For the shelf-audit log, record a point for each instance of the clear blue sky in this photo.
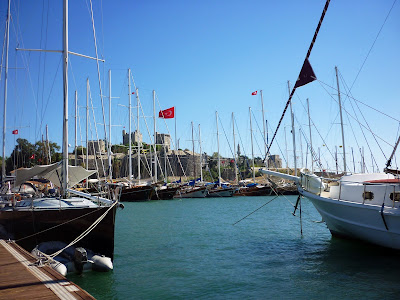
(208, 56)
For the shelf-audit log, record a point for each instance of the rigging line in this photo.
(245, 158)
(313, 153)
(51, 90)
(363, 124)
(294, 88)
(2, 52)
(26, 64)
(255, 210)
(39, 72)
(44, 61)
(284, 157)
(97, 135)
(98, 72)
(356, 100)
(259, 130)
(373, 44)
(226, 137)
(365, 138)
(366, 123)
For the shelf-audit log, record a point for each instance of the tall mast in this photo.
(65, 92)
(263, 121)
(155, 136)
(201, 157)
(109, 121)
(252, 150)
(341, 121)
(234, 151)
(139, 141)
(301, 149)
(194, 159)
(219, 157)
(3, 166)
(130, 127)
(76, 128)
(48, 145)
(309, 126)
(87, 125)
(293, 135)
(286, 151)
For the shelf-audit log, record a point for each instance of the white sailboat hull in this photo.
(359, 221)
(348, 212)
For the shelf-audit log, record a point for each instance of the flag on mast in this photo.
(167, 113)
(307, 74)
(15, 131)
(254, 93)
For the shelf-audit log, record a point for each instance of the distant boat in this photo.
(192, 192)
(136, 193)
(253, 190)
(164, 192)
(221, 192)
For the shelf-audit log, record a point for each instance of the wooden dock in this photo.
(20, 278)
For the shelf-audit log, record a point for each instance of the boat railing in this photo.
(367, 191)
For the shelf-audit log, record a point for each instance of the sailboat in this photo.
(363, 206)
(134, 192)
(253, 189)
(80, 220)
(220, 190)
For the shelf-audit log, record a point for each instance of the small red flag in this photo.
(32, 156)
(15, 131)
(254, 93)
(133, 93)
(167, 113)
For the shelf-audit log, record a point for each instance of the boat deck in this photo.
(20, 279)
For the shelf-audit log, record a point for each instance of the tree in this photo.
(26, 155)
(119, 149)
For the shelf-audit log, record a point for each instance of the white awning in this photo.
(53, 173)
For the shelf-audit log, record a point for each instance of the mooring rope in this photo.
(86, 232)
(255, 210)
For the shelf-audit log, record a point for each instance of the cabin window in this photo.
(367, 195)
(395, 196)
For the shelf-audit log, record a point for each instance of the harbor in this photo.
(193, 169)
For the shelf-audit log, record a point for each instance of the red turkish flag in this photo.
(32, 156)
(15, 131)
(167, 113)
(254, 93)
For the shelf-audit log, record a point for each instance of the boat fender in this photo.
(59, 267)
(101, 263)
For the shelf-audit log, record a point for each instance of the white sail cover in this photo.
(53, 173)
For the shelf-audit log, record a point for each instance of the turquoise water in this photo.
(190, 249)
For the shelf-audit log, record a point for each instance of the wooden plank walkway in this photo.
(20, 279)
